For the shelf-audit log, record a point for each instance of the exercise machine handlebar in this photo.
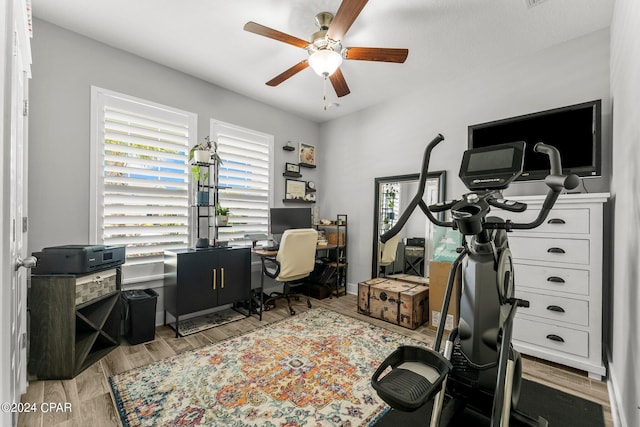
(417, 201)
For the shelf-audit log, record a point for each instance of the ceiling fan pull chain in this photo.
(324, 91)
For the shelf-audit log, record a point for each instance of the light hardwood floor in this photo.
(92, 403)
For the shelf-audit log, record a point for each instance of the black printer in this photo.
(78, 259)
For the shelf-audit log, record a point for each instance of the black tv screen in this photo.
(282, 219)
(574, 130)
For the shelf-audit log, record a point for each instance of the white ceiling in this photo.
(445, 38)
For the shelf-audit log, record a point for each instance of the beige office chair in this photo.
(295, 260)
(387, 253)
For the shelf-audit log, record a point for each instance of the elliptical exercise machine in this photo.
(479, 370)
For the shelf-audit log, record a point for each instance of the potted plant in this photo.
(391, 196)
(202, 197)
(222, 215)
(202, 152)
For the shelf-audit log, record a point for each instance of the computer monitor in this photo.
(282, 219)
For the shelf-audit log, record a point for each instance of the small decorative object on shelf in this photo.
(289, 146)
(294, 189)
(292, 167)
(307, 155)
(292, 170)
(311, 187)
(201, 176)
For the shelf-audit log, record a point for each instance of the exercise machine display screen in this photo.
(492, 167)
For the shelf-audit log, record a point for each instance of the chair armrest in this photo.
(273, 263)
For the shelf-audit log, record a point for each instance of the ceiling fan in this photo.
(325, 48)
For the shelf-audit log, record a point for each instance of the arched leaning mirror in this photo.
(414, 249)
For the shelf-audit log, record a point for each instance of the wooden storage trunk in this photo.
(416, 280)
(402, 303)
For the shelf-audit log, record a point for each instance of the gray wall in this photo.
(65, 66)
(390, 139)
(624, 352)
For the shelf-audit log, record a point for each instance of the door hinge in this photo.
(25, 224)
(25, 107)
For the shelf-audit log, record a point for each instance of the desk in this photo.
(332, 272)
(265, 253)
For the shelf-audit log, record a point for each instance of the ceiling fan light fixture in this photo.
(325, 62)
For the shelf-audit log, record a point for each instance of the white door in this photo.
(13, 330)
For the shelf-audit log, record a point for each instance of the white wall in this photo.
(390, 139)
(65, 66)
(624, 354)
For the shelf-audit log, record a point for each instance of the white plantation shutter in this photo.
(245, 178)
(141, 155)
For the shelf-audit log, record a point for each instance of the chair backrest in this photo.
(297, 254)
(388, 251)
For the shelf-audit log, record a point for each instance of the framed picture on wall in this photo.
(294, 189)
(293, 168)
(307, 154)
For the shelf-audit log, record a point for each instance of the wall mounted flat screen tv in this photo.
(574, 130)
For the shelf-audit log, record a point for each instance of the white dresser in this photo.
(559, 269)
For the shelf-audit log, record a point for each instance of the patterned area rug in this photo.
(202, 323)
(313, 369)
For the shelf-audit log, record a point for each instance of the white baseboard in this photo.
(613, 386)
(352, 288)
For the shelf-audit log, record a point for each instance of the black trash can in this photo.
(140, 315)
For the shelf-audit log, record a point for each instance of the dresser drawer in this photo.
(574, 221)
(549, 336)
(557, 279)
(575, 251)
(555, 308)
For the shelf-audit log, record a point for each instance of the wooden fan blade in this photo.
(376, 54)
(339, 83)
(345, 16)
(261, 30)
(289, 73)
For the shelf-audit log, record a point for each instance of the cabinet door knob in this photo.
(556, 251)
(214, 279)
(556, 221)
(555, 338)
(555, 279)
(555, 308)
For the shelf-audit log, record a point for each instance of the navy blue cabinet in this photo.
(200, 279)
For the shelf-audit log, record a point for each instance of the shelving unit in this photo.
(66, 337)
(298, 174)
(204, 210)
(336, 254)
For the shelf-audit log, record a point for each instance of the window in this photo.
(140, 178)
(244, 178)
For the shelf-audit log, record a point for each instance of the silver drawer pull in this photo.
(555, 338)
(556, 251)
(555, 308)
(555, 279)
(556, 221)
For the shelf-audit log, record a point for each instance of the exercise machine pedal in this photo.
(416, 375)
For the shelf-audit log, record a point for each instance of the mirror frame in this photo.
(378, 181)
